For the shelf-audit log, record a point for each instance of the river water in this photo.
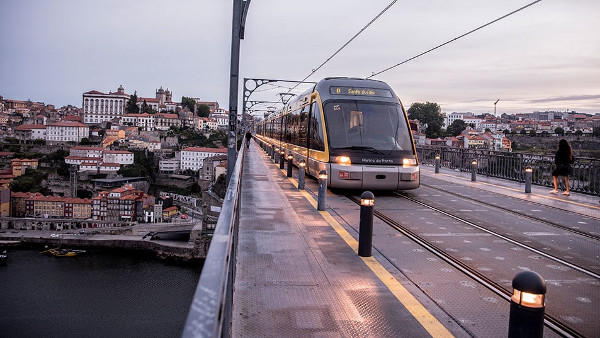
(96, 294)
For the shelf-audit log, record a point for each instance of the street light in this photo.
(495, 107)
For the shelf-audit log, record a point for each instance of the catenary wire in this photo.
(345, 44)
(456, 38)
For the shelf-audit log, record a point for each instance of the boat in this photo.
(59, 252)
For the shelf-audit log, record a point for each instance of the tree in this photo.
(559, 131)
(203, 110)
(578, 132)
(146, 108)
(506, 131)
(532, 133)
(132, 107)
(188, 102)
(456, 127)
(428, 113)
(523, 132)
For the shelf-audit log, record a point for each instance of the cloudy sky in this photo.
(545, 57)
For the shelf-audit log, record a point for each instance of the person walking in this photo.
(563, 160)
(248, 137)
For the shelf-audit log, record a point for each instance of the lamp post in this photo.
(301, 172)
(474, 170)
(495, 107)
(528, 173)
(290, 157)
(322, 190)
(365, 231)
(527, 305)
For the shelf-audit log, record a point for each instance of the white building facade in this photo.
(192, 157)
(99, 107)
(62, 131)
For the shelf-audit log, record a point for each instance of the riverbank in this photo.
(162, 249)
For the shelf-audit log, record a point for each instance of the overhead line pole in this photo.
(240, 9)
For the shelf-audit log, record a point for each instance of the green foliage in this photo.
(84, 193)
(456, 127)
(203, 110)
(29, 182)
(131, 107)
(146, 108)
(143, 165)
(428, 113)
(39, 142)
(559, 131)
(532, 133)
(188, 102)
(217, 137)
(578, 132)
(523, 132)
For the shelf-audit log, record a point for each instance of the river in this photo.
(96, 294)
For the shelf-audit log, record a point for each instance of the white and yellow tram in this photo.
(355, 129)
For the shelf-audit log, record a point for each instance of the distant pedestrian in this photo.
(248, 137)
(563, 160)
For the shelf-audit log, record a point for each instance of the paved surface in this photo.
(299, 275)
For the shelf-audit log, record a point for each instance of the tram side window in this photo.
(316, 128)
(289, 128)
(303, 126)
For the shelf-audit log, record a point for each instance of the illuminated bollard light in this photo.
(527, 305)
(281, 159)
(528, 172)
(365, 231)
(322, 190)
(474, 170)
(301, 173)
(437, 164)
(290, 157)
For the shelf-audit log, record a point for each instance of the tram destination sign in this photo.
(358, 91)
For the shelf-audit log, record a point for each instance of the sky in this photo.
(545, 57)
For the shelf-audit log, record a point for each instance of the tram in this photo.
(355, 129)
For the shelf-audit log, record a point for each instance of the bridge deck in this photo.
(298, 272)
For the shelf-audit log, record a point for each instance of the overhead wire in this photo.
(345, 44)
(456, 38)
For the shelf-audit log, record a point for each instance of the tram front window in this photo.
(377, 125)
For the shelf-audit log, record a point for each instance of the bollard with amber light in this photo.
(474, 170)
(301, 172)
(290, 157)
(437, 164)
(527, 305)
(322, 190)
(281, 159)
(528, 172)
(365, 231)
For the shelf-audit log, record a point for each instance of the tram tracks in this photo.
(550, 321)
(524, 215)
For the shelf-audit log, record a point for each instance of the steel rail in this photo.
(549, 320)
(560, 226)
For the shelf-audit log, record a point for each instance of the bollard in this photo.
(274, 151)
(289, 165)
(301, 173)
(365, 231)
(322, 190)
(282, 159)
(527, 305)
(474, 170)
(528, 172)
(437, 164)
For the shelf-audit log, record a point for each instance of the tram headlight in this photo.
(342, 160)
(409, 162)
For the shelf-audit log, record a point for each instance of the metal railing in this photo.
(210, 312)
(511, 166)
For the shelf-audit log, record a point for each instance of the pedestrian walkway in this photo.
(298, 273)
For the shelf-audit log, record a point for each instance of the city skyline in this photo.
(541, 58)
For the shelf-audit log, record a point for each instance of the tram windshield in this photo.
(369, 126)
